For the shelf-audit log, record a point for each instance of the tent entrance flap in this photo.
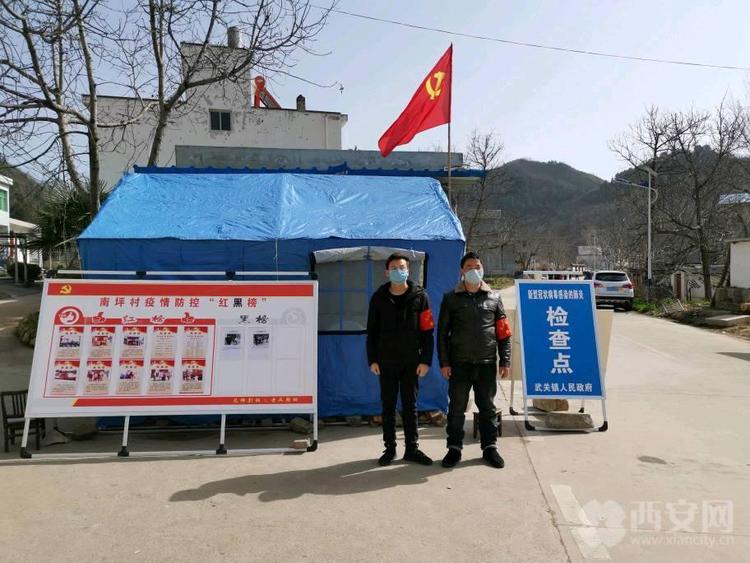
(347, 278)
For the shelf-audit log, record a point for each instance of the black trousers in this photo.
(403, 379)
(482, 377)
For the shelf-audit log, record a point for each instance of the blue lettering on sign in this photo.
(558, 339)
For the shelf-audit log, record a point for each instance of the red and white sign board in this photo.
(174, 347)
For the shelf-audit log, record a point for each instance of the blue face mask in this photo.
(398, 275)
(474, 276)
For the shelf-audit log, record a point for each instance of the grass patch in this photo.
(646, 307)
(499, 282)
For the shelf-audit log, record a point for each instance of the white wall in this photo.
(251, 127)
(5, 184)
(739, 264)
(4, 215)
(255, 127)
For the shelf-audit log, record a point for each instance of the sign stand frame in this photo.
(527, 425)
(24, 452)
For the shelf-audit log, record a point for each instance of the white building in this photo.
(219, 115)
(5, 184)
(592, 257)
(739, 263)
(13, 247)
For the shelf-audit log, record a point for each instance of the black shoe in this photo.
(491, 456)
(388, 454)
(417, 456)
(452, 457)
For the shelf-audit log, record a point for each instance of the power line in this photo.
(534, 45)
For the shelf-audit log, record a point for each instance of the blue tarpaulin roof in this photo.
(261, 207)
(214, 221)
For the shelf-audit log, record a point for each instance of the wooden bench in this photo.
(499, 424)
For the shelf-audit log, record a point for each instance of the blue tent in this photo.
(238, 221)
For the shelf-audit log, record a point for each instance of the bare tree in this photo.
(484, 223)
(56, 56)
(694, 154)
(701, 164)
(527, 243)
(182, 35)
(47, 63)
(646, 141)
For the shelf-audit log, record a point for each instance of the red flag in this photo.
(429, 107)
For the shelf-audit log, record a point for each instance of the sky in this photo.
(543, 105)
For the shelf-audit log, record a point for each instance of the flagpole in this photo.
(450, 198)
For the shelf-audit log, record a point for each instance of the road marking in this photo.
(585, 533)
(650, 349)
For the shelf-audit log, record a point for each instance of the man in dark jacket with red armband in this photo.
(472, 330)
(399, 351)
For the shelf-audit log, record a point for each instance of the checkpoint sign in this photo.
(559, 348)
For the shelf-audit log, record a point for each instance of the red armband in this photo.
(426, 322)
(502, 329)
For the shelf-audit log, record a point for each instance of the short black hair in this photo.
(395, 256)
(470, 256)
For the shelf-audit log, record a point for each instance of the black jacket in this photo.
(467, 328)
(400, 335)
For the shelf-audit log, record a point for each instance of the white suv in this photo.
(613, 288)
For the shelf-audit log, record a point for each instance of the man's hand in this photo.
(446, 371)
(422, 370)
(375, 368)
(503, 372)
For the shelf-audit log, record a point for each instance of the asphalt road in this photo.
(670, 480)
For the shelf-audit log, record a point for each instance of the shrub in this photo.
(643, 306)
(26, 329)
(34, 271)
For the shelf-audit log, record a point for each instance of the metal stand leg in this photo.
(221, 450)
(526, 422)
(512, 411)
(25, 454)
(314, 445)
(605, 426)
(124, 449)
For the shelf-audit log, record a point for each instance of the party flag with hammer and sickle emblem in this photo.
(429, 107)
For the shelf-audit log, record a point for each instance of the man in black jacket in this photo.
(399, 351)
(472, 329)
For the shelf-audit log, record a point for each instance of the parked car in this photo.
(613, 287)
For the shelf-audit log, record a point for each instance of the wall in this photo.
(739, 264)
(274, 158)
(688, 291)
(254, 127)
(5, 184)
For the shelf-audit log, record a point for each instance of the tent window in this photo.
(347, 280)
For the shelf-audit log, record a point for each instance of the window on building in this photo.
(347, 278)
(221, 120)
(3, 200)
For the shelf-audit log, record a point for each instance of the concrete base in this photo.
(727, 320)
(549, 405)
(568, 421)
(300, 425)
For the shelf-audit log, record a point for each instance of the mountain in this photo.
(546, 192)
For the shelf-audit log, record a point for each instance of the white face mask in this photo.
(474, 276)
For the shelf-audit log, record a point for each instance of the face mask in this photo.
(398, 276)
(474, 276)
